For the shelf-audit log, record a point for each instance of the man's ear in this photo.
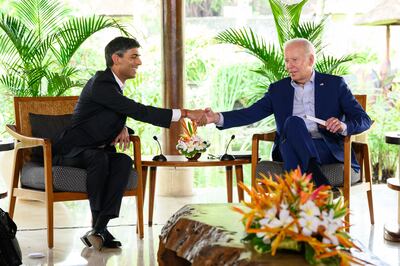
(312, 59)
(115, 59)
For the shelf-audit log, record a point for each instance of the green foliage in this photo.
(385, 111)
(288, 26)
(37, 44)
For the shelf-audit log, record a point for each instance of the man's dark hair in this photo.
(119, 46)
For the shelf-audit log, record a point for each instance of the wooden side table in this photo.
(181, 161)
(392, 230)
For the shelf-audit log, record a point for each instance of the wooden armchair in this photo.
(49, 183)
(340, 175)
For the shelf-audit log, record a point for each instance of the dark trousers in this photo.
(297, 146)
(107, 178)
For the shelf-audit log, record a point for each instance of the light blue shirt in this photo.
(304, 104)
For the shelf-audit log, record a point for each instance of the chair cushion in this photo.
(334, 172)
(65, 178)
(47, 126)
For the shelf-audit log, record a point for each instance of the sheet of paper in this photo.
(316, 120)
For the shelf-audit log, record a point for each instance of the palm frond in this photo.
(286, 18)
(15, 84)
(24, 41)
(77, 30)
(253, 44)
(59, 83)
(42, 16)
(331, 65)
(311, 31)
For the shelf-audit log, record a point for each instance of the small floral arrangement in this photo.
(189, 143)
(289, 213)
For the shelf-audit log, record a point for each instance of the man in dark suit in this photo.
(300, 141)
(98, 123)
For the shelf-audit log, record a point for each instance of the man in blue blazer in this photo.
(300, 141)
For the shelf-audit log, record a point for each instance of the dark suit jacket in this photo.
(101, 113)
(332, 99)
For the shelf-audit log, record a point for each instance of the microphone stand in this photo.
(226, 156)
(160, 157)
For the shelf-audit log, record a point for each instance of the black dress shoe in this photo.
(96, 239)
(108, 235)
(109, 240)
(85, 240)
(111, 244)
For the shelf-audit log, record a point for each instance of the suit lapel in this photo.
(110, 75)
(290, 98)
(319, 86)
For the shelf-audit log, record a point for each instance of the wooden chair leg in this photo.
(14, 182)
(367, 166)
(50, 223)
(139, 209)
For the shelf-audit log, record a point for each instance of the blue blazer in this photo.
(333, 98)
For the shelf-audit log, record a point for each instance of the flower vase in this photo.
(194, 158)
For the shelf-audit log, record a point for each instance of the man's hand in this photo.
(334, 125)
(211, 116)
(122, 139)
(197, 116)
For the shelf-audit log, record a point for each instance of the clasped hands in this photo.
(203, 117)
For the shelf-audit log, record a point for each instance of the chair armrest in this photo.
(268, 136)
(25, 142)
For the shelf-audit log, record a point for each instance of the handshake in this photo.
(201, 117)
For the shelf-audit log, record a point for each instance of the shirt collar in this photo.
(312, 80)
(120, 83)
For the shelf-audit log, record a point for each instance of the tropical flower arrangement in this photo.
(289, 213)
(189, 143)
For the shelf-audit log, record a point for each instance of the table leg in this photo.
(239, 178)
(153, 172)
(229, 182)
(144, 180)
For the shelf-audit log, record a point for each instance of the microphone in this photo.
(160, 157)
(226, 156)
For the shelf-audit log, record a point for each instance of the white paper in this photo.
(36, 255)
(316, 120)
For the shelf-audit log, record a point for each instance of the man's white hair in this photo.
(308, 46)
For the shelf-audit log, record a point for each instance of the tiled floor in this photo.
(72, 220)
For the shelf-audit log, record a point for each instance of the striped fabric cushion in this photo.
(334, 172)
(66, 179)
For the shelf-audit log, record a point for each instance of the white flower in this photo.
(309, 225)
(309, 218)
(331, 226)
(286, 218)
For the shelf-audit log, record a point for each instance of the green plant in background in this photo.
(385, 111)
(37, 44)
(288, 26)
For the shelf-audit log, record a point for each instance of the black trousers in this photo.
(107, 177)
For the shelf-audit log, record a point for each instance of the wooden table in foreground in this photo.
(210, 234)
(181, 161)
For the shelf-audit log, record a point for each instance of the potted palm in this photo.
(288, 26)
(37, 42)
